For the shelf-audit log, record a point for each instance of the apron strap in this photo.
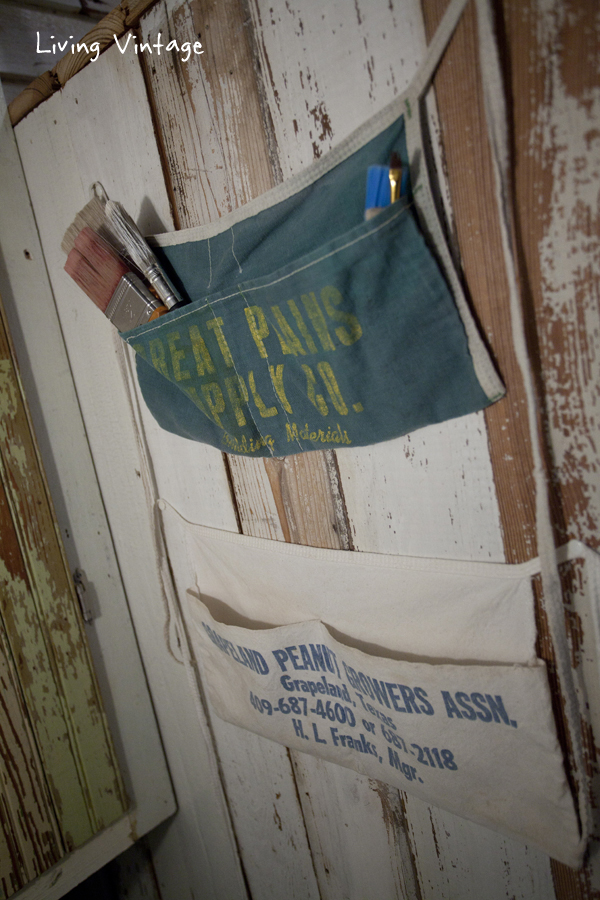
(437, 48)
(496, 120)
(495, 110)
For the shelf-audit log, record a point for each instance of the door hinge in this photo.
(84, 595)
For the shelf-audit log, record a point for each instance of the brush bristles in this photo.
(92, 215)
(96, 249)
(95, 267)
(128, 234)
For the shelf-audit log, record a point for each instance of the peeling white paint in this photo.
(8, 395)
(567, 138)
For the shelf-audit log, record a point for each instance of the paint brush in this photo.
(110, 220)
(140, 253)
(108, 280)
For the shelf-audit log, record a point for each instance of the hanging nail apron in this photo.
(310, 328)
(418, 672)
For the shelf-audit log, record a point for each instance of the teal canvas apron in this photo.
(309, 328)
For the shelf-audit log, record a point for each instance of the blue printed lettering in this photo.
(281, 657)
(462, 700)
(316, 734)
(252, 659)
(478, 700)
(409, 699)
(427, 708)
(395, 698)
(297, 723)
(361, 745)
(451, 707)
(409, 772)
(497, 707)
(308, 663)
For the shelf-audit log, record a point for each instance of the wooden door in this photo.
(278, 85)
(60, 777)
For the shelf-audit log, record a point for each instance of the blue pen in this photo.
(378, 190)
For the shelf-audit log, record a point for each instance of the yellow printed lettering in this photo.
(176, 356)
(258, 327)
(312, 347)
(238, 394)
(204, 363)
(331, 298)
(291, 431)
(316, 399)
(265, 413)
(157, 355)
(216, 325)
(277, 379)
(253, 446)
(193, 395)
(305, 434)
(214, 400)
(318, 320)
(288, 340)
(326, 373)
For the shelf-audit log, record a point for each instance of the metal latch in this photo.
(84, 596)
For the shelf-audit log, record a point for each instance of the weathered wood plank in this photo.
(272, 835)
(37, 669)
(428, 494)
(496, 867)
(458, 89)
(195, 111)
(557, 167)
(77, 866)
(25, 796)
(54, 623)
(555, 87)
(380, 861)
(8, 881)
(534, 86)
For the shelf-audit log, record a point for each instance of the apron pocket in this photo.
(357, 342)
